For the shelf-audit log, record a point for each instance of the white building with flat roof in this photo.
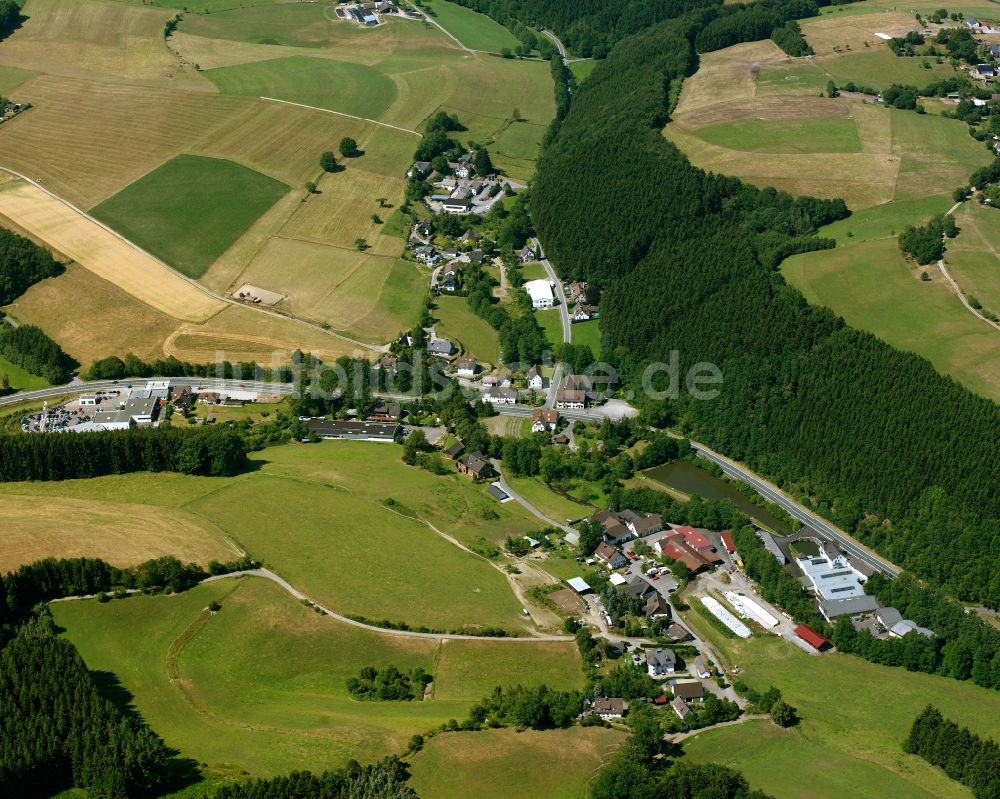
(540, 292)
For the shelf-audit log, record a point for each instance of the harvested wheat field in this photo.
(122, 534)
(105, 254)
(91, 319)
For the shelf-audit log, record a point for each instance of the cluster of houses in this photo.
(542, 292)
(684, 544)
(461, 191)
(9, 110)
(367, 14)
(661, 664)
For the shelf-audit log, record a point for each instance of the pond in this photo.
(690, 479)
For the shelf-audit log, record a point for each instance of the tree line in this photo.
(961, 754)
(115, 368)
(58, 731)
(388, 684)
(383, 780)
(215, 451)
(873, 438)
(27, 346)
(22, 262)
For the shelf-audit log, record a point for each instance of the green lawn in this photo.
(189, 211)
(261, 685)
(498, 764)
(342, 86)
(533, 272)
(879, 68)
(791, 77)
(888, 219)
(457, 322)
(551, 322)
(588, 333)
(20, 380)
(809, 135)
(581, 69)
(873, 288)
(474, 30)
(12, 77)
(553, 505)
(854, 717)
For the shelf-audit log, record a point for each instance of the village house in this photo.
(500, 396)
(615, 530)
(455, 450)
(571, 399)
(388, 362)
(543, 419)
(540, 292)
(181, 398)
(584, 313)
(419, 169)
(386, 412)
(456, 205)
(441, 346)
(535, 380)
(462, 169)
(525, 255)
(609, 709)
(501, 380)
(641, 524)
(469, 236)
(687, 690)
(698, 669)
(660, 662)
(984, 71)
(450, 275)
(680, 707)
(610, 555)
(577, 291)
(656, 606)
(466, 365)
(427, 254)
(474, 465)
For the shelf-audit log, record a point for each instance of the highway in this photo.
(797, 511)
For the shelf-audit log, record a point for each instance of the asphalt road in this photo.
(797, 511)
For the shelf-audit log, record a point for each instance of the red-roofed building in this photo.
(694, 539)
(811, 637)
(727, 542)
(677, 548)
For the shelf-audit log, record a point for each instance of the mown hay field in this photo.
(191, 209)
(973, 257)
(262, 684)
(106, 255)
(369, 297)
(121, 533)
(495, 764)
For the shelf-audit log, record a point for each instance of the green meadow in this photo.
(457, 322)
(581, 69)
(19, 379)
(879, 68)
(261, 685)
(191, 209)
(855, 716)
(476, 31)
(354, 89)
(497, 764)
(809, 135)
(874, 289)
(588, 333)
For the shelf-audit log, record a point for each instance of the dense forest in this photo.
(216, 451)
(873, 437)
(963, 755)
(384, 780)
(22, 262)
(27, 346)
(115, 368)
(57, 731)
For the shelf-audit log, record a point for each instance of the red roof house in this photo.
(811, 637)
(694, 539)
(727, 541)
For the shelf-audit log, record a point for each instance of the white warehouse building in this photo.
(540, 292)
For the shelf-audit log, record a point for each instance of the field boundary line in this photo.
(341, 114)
(201, 287)
(954, 285)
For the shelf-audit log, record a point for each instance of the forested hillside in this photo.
(22, 262)
(875, 437)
